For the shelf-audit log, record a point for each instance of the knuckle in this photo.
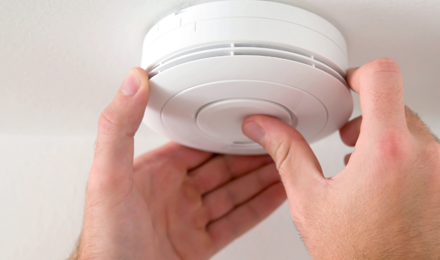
(108, 122)
(281, 152)
(394, 147)
(254, 211)
(100, 183)
(383, 65)
(191, 194)
(200, 218)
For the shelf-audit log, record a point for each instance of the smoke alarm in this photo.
(212, 65)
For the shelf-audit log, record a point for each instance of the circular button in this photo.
(222, 120)
(180, 114)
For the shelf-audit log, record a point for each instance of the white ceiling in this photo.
(61, 61)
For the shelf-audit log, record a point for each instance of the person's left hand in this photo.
(173, 203)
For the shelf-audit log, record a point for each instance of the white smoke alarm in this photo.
(212, 65)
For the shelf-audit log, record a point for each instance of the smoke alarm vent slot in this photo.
(240, 49)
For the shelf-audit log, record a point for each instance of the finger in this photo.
(243, 218)
(224, 199)
(380, 87)
(295, 160)
(182, 157)
(117, 125)
(223, 168)
(347, 158)
(350, 131)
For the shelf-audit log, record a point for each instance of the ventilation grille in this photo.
(241, 49)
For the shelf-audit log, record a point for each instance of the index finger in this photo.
(380, 87)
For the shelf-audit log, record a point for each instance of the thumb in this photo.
(295, 160)
(117, 126)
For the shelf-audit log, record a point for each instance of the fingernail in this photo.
(131, 83)
(254, 132)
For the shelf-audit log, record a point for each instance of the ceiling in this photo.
(62, 61)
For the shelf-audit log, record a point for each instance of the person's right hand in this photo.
(385, 204)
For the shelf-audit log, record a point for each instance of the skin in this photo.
(385, 204)
(179, 203)
(173, 203)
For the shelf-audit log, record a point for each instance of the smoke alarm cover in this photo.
(213, 65)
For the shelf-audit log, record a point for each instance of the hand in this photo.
(173, 203)
(385, 204)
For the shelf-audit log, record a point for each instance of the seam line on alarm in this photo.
(252, 17)
(290, 112)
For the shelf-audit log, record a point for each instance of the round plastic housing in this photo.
(212, 65)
